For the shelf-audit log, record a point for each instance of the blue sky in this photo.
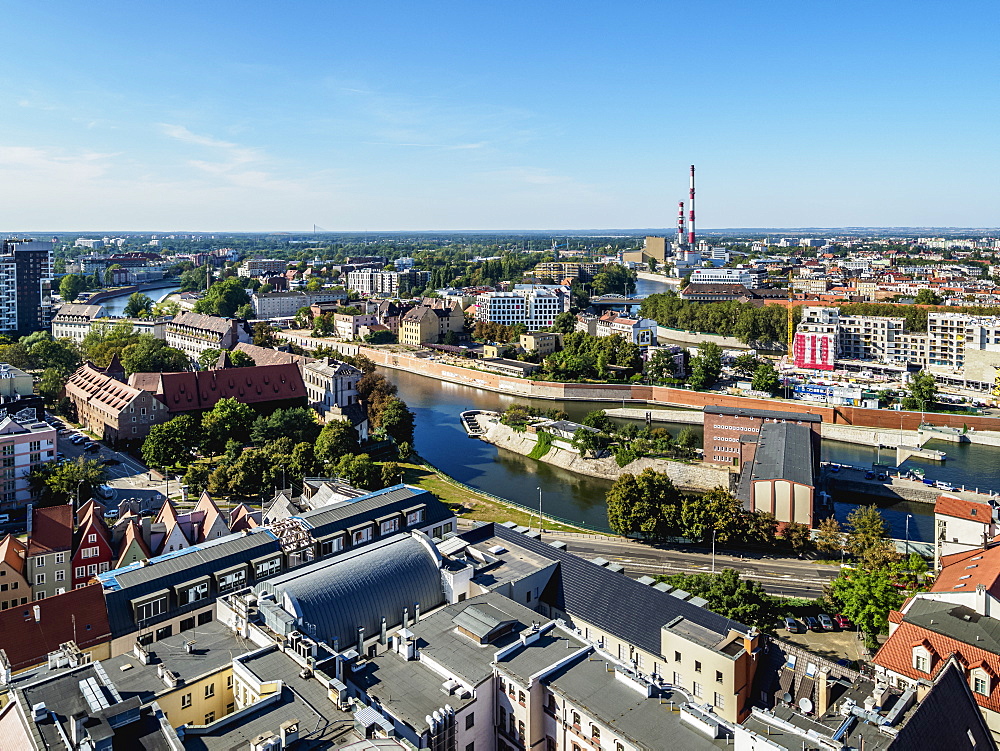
(258, 116)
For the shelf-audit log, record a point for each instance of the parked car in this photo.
(111, 513)
(811, 623)
(792, 626)
(834, 467)
(942, 485)
(4, 518)
(869, 475)
(882, 476)
(78, 439)
(825, 621)
(91, 446)
(842, 621)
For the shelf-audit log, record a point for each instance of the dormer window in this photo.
(922, 658)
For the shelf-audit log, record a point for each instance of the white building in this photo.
(286, 304)
(73, 321)
(262, 267)
(193, 333)
(961, 525)
(535, 308)
(388, 283)
(25, 444)
(722, 276)
(639, 331)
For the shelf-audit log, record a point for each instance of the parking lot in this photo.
(835, 645)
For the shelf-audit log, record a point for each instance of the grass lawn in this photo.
(472, 505)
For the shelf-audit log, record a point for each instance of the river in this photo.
(115, 306)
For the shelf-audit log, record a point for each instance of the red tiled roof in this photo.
(12, 552)
(973, 511)
(897, 655)
(51, 529)
(982, 566)
(28, 641)
(182, 392)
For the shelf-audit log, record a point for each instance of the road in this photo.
(779, 576)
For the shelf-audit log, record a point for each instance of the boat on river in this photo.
(474, 420)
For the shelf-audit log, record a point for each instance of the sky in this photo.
(365, 116)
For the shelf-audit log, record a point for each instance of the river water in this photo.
(441, 439)
(115, 306)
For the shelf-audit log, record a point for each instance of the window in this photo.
(470, 720)
(720, 701)
(209, 690)
(576, 720)
(91, 538)
(697, 689)
(595, 734)
(61, 558)
(361, 536)
(520, 729)
(185, 701)
(193, 593)
(186, 624)
(414, 517)
(921, 663)
(210, 718)
(60, 575)
(520, 698)
(204, 618)
(267, 568)
(40, 561)
(697, 666)
(229, 681)
(388, 527)
(980, 684)
(329, 547)
(39, 579)
(151, 609)
(232, 580)
(718, 676)
(164, 632)
(677, 656)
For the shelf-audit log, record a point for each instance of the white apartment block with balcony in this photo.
(723, 276)
(536, 309)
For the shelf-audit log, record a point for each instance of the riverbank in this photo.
(688, 476)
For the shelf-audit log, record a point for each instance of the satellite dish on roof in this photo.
(786, 697)
(805, 704)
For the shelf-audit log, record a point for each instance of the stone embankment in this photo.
(693, 476)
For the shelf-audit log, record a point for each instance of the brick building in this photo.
(115, 411)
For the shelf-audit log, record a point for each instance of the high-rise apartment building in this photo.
(25, 286)
(388, 283)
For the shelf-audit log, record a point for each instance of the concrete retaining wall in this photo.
(687, 476)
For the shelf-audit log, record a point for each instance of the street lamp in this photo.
(539, 510)
(908, 540)
(713, 551)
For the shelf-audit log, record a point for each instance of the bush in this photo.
(542, 446)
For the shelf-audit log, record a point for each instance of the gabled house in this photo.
(50, 548)
(132, 547)
(167, 535)
(211, 524)
(14, 587)
(93, 552)
(243, 518)
(961, 525)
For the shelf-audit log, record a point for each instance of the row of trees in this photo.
(745, 321)
(589, 357)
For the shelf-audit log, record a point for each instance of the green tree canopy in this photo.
(296, 423)
(67, 481)
(152, 355)
(223, 298)
(227, 420)
(359, 471)
(923, 392)
(765, 378)
(927, 296)
(172, 443)
(70, 287)
(337, 438)
(138, 305)
(866, 595)
(730, 596)
(396, 420)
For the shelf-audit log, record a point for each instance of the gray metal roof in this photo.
(121, 586)
(784, 452)
(338, 595)
(767, 414)
(956, 622)
(327, 520)
(610, 601)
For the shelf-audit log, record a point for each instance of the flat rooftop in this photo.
(766, 414)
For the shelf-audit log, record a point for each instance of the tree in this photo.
(564, 323)
(172, 443)
(396, 420)
(923, 391)
(664, 365)
(46, 352)
(105, 340)
(223, 298)
(138, 305)
(67, 481)
(599, 419)
(109, 273)
(303, 462)
(730, 596)
(706, 366)
(296, 423)
(264, 335)
(765, 378)
(648, 504)
(391, 474)
(227, 420)
(866, 596)
(688, 439)
(746, 364)
(404, 451)
(50, 386)
(337, 438)
(70, 287)
(797, 536)
(359, 471)
(151, 355)
(867, 538)
(927, 296)
(829, 537)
